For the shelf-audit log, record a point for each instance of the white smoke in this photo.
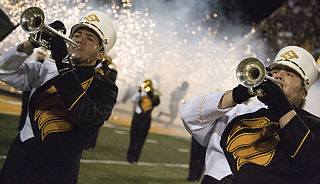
(170, 40)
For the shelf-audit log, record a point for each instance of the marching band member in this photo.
(275, 141)
(68, 104)
(145, 100)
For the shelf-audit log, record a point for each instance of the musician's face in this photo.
(89, 48)
(292, 84)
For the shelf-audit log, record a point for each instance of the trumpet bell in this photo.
(32, 20)
(250, 72)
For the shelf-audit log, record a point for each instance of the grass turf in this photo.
(112, 145)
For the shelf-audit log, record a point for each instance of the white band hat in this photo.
(101, 24)
(301, 61)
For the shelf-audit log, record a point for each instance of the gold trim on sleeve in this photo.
(201, 108)
(300, 144)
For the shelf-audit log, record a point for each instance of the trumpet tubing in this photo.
(32, 22)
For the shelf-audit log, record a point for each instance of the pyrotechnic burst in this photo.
(173, 51)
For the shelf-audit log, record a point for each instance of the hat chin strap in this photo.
(304, 77)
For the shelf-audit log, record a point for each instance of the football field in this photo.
(164, 159)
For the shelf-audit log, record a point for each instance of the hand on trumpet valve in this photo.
(46, 36)
(274, 97)
(33, 39)
(241, 94)
(59, 26)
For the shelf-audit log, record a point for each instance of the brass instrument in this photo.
(32, 22)
(251, 72)
(142, 87)
(146, 86)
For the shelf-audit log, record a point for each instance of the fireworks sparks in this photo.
(146, 48)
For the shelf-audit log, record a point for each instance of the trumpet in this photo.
(32, 22)
(251, 72)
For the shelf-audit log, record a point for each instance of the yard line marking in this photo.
(120, 132)
(124, 163)
(183, 150)
(13, 102)
(104, 162)
(152, 141)
(139, 163)
(3, 156)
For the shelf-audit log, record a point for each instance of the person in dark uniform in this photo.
(197, 161)
(275, 141)
(68, 104)
(146, 100)
(104, 69)
(176, 98)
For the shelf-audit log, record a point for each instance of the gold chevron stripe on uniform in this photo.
(51, 114)
(85, 86)
(253, 141)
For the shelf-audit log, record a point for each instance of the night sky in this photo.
(252, 10)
